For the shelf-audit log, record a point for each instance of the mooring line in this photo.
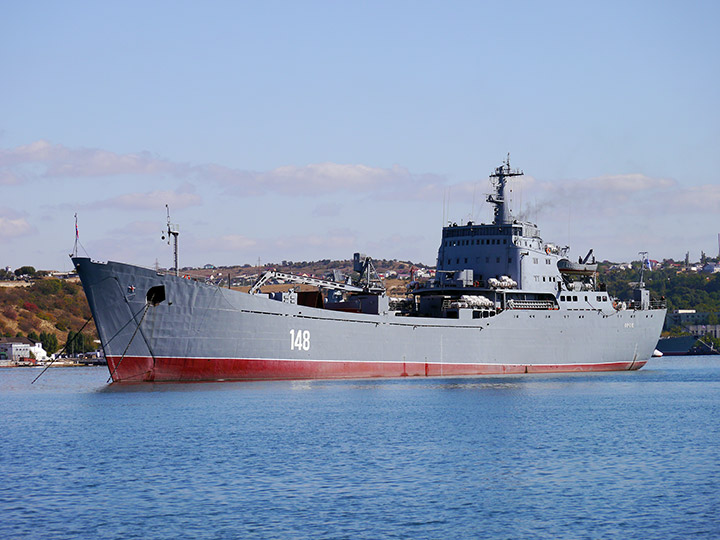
(147, 306)
(132, 318)
(69, 341)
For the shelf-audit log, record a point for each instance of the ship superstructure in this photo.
(508, 262)
(502, 301)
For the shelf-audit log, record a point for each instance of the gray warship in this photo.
(503, 301)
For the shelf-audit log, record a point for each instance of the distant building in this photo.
(425, 273)
(711, 268)
(20, 348)
(700, 330)
(64, 275)
(688, 318)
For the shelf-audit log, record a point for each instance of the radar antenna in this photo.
(499, 180)
(173, 230)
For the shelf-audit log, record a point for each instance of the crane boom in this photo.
(304, 280)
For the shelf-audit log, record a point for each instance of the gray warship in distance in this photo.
(503, 302)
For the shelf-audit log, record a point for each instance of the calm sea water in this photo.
(616, 455)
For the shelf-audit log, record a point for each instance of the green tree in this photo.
(49, 286)
(77, 343)
(49, 342)
(32, 335)
(72, 343)
(25, 270)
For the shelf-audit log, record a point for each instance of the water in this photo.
(608, 455)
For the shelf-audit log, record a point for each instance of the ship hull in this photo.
(197, 332)
(147, 369)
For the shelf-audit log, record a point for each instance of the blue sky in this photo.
(310, 130)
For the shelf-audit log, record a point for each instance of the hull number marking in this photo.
(629, 325)
(299, 340)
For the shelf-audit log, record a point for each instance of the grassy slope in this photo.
(48, 305)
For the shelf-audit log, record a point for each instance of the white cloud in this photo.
(344, 239)
(138, 228)
(41, 159)
(13, 224)
(610, 195)
(152, 200)
(704, 198)
(8, 177)
(46, 160)
(327, 210)
(322, 178)
(12, 228)
(228, 242)
(626, 183)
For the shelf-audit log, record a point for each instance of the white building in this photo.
(18, 348)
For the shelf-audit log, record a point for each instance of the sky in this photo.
(311, 130)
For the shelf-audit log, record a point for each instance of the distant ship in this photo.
(685, 345)
(503, 301)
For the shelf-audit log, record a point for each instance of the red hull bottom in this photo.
(145, 369)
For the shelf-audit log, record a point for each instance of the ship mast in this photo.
(499, 181)
(173, 230)
(643, 260)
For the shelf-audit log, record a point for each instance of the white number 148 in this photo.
(300, 340)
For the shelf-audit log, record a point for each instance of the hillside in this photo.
(682, 290)
(246, 274)
(46, 306)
